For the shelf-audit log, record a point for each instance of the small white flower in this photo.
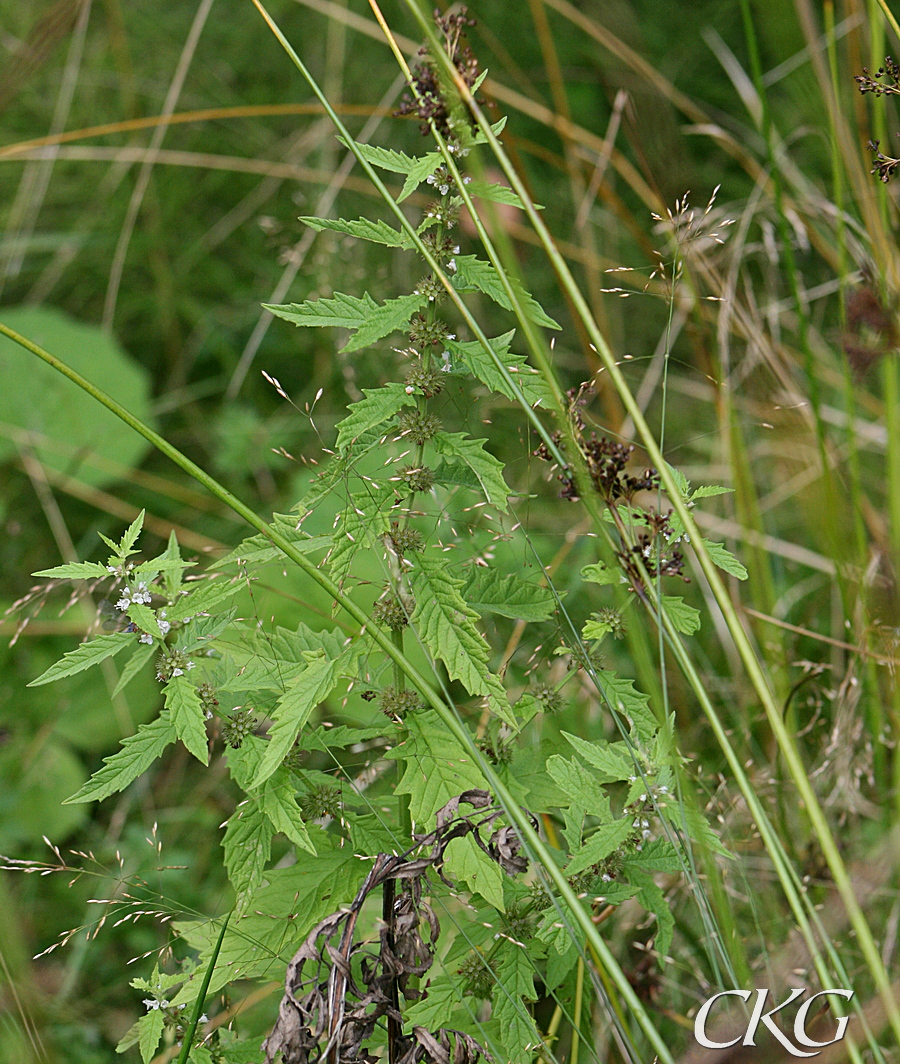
(451, 265)
(456, 249)
(467, 180)
(146, 637)
(430, 180)
(151, 1004)
(606, 878)
(124, 602)
(113, 569)
(444, 189)
(178, 672)
(164, 626)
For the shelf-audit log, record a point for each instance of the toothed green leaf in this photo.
(314, 684)
(247, 846)
(514, 986)
(363, 228)
(684, 618)
(446, 623)
(474, 274)
(467, 862)
(605, 839)
(141, 657)
(490, 591)
(186, 712)
(480, 364)
(725, 560)
(76, 571)
(436, 767)
(378, 406)
(137, 754)
(279, 803)
(612, 759)
(85, 656)
(459, 447)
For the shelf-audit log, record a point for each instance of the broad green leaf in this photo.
(66, 426)
(684, 618)
(623, 697)
(201, 598)
(416, 168)
(259, 548)
(654, 900)
(294, 709)
(698, 827)
(595, 628)
(141, 657)
(145, 1034)
(378, 406)
(446, 624)
(83, 657)
(612, 759)
(340, 311)
(279, 803)
(425, 166)
(145, 618)
(606, 839)
(151, 1029)
(474, 274)
(724, 559)
(385, 319)
(496, 194)
(248, 847)
(174, 577)
(514, 986)
(465, 860)
(435, 1010)
(294, 646)
(684, 485)
(162, 564)
(706, 491)
(490, 591)
(186, 714)
(581, 789)
(130, 536)
(364, 228)
(436, 767)
(361, 523)
(76, 571)
(497, 128)
(199, 632)
(559, 964)
(352, 312)
(658, 855)
(598, 573)
(456, 474)
(480, 364)
(137, 754)
(459, 447)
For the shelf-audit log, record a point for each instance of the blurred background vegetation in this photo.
(140, 252)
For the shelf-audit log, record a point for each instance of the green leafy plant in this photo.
(412, 494)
